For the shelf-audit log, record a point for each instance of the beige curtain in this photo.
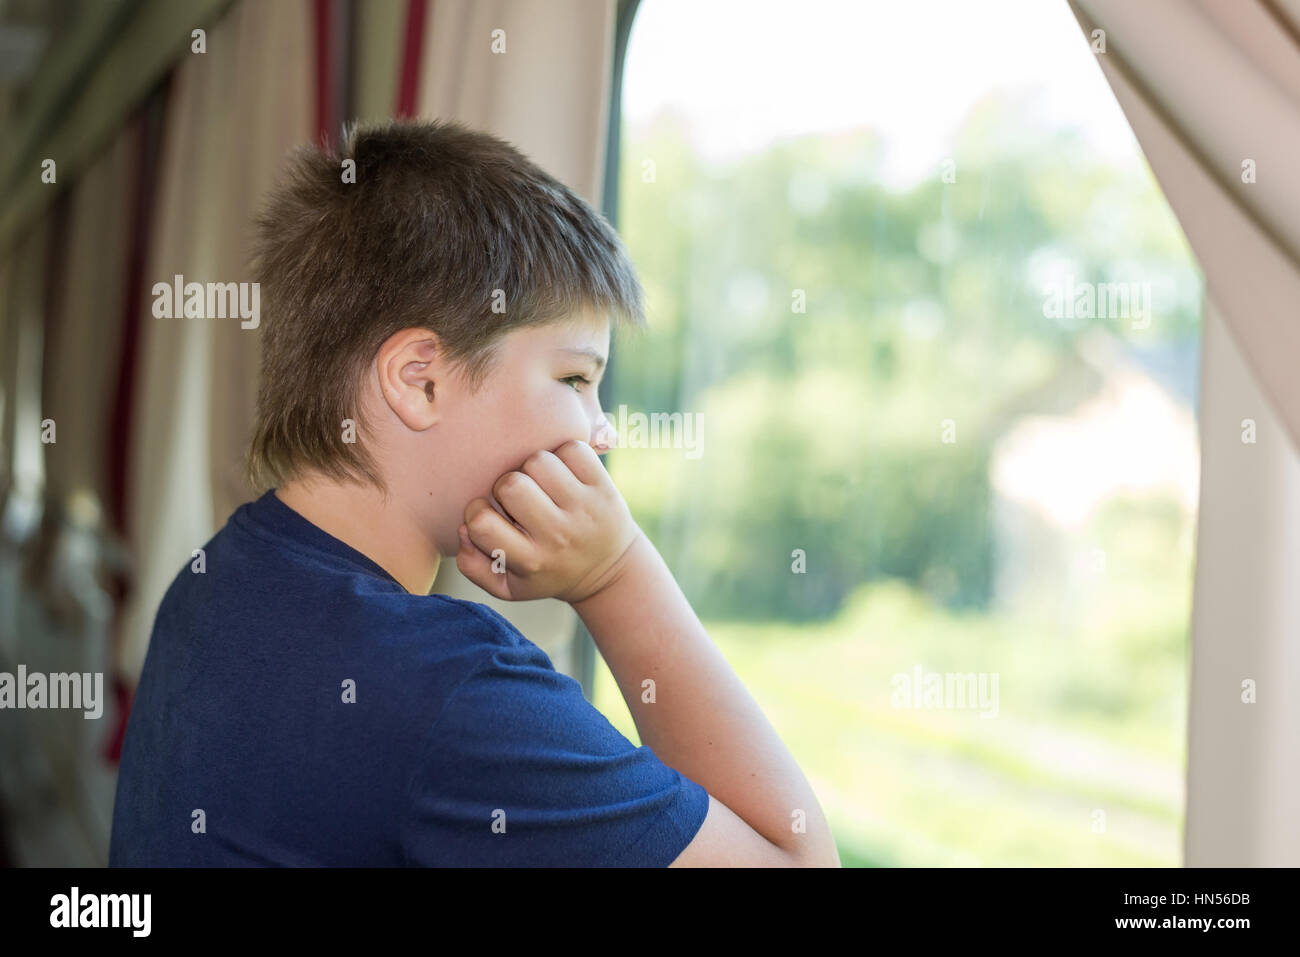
(1208, 86)
(548, 94)
(85, 335)
(379, 33)
(1212, 91)
(233, 113)
(1243, 784)
(270, 103)
(63, 614)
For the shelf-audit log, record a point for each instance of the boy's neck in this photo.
(359, 516)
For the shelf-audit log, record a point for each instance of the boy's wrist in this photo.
(609, 579)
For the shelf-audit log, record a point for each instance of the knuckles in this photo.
(537, 460)
(479, 521)
(571, 447)
(508, 482)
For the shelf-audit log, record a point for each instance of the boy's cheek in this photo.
(501, 443)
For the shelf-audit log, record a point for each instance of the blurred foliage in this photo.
(822, 428)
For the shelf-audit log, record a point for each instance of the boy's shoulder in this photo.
(267, 580)
(482, 624)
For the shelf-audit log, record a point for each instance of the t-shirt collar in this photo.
(279, 518)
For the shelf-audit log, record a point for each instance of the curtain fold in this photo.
(548, 93)
(268, 112)
(1211, 89)
(379, 31)
(232, 114)
(1243, 781)
(87, 327)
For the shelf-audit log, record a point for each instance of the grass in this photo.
(1082, 765)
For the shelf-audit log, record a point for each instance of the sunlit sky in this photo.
(748, 73)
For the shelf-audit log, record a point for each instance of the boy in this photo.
(436, 327)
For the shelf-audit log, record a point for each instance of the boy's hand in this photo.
(570, 529)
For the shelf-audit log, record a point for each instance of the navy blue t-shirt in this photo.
(297, 706)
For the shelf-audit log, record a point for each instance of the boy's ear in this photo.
(409, 376)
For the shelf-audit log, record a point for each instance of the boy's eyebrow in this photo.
(591, 354)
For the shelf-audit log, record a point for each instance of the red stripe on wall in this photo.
(326, 108)
(408, 80)
(119, 444)
(146, 130)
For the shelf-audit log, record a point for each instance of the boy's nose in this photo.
(603, 435)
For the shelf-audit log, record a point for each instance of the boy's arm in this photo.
(568, 534)
(703, 722)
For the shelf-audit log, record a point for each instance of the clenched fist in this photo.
(567, 530)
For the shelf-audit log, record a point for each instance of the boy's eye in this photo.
(573, 379)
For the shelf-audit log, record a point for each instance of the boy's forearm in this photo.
(702, 721)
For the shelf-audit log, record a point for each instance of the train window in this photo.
(915, 423)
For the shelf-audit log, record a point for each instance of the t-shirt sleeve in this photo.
(520, 770)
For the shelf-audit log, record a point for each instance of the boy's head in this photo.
(432, 300)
